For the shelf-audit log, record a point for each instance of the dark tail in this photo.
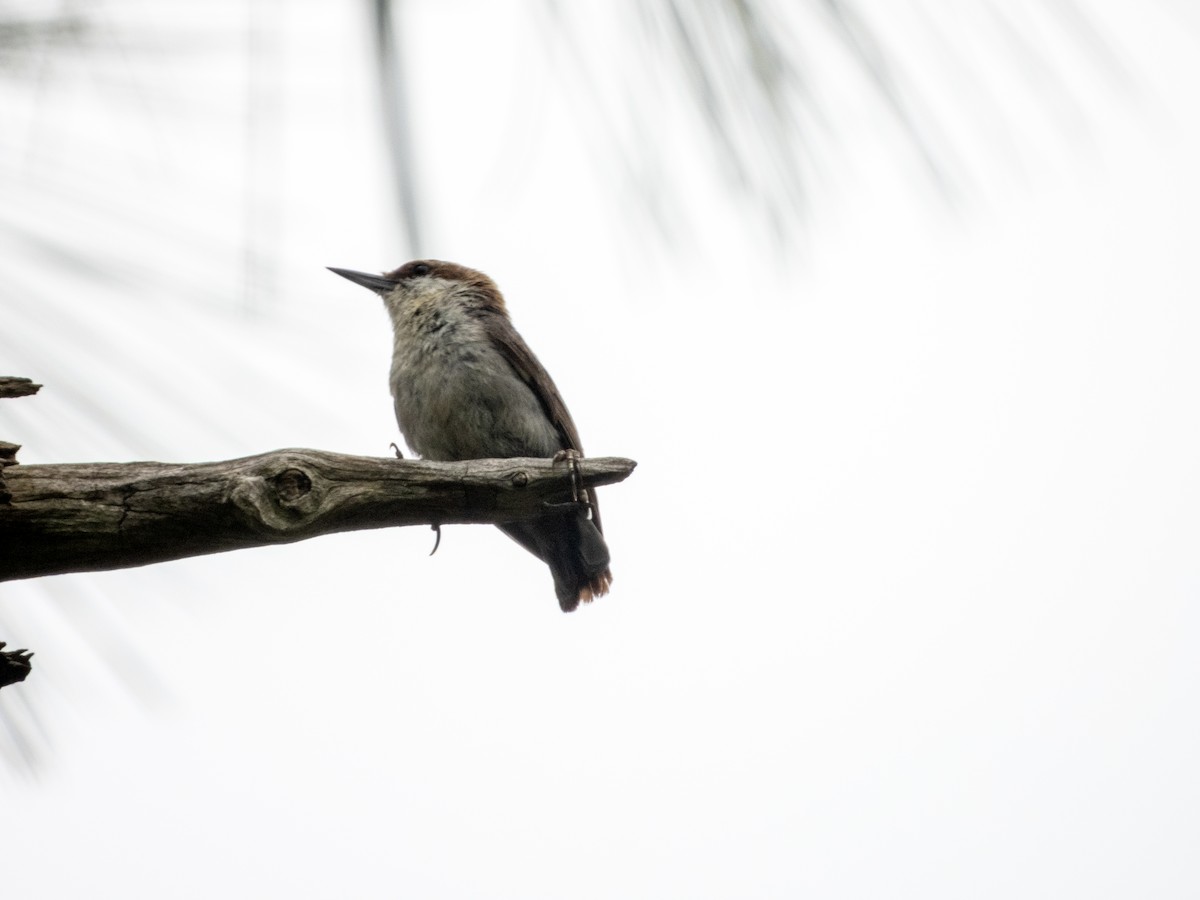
(574, 549)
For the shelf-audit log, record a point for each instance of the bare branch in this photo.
(14, 665)
(95, 516)
(12, 386)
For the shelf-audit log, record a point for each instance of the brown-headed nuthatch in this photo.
(466, 386)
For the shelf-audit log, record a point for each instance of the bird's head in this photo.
(432, 279)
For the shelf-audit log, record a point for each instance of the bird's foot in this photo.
(572, 458)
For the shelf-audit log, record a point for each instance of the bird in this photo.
(466, 386)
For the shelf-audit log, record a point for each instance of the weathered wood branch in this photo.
(95, 516)
(13, 386)
(15, 665)
(8, 457)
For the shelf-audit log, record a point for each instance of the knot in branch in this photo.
(280, 500)
(291, 485)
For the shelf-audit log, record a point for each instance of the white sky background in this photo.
(906, 581)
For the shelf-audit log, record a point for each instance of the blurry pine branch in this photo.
(79, 215)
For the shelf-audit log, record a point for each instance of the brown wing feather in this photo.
(530, 370)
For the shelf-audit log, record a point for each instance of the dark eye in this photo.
(420, 269)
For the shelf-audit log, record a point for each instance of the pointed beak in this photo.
(377, 283)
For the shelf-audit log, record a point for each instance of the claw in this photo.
(399, 455)
(570, 504)
(437, 543)
(572, 457)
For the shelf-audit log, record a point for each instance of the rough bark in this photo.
(15, 665)
(95, 516)
(14, 386)
(8, 457)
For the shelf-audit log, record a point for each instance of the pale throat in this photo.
(431, 322)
